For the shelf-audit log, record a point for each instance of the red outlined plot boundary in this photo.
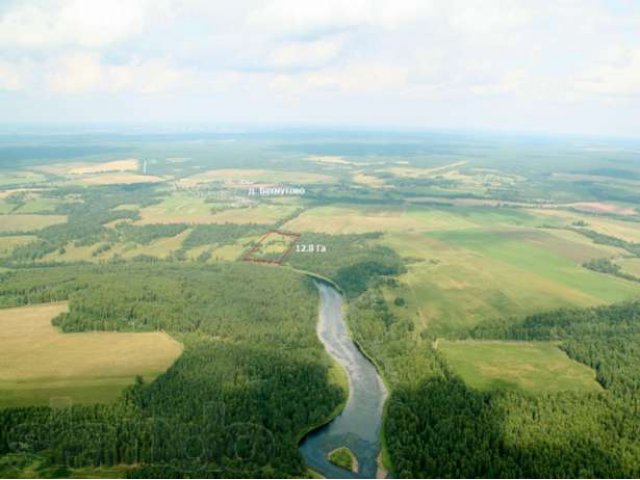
(250, 255)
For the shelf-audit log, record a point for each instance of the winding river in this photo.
(358, 425)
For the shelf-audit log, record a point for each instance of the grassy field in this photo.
(115, 178)
(272, 247)
(245, 177)
(536, 367)
(346, 220)
(72, 253)
(458, 278)
(28, 223)
(19, 177)
(184, 208)
(39, 363)
(630, 265)
(469, 264)
(7, 244)
(625, 230)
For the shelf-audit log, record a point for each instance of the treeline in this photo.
(352, 261)
(605, 265)
(601, 238)
(252, 377)
(221, 234)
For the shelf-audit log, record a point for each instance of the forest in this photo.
(252, 378)
(438, 427)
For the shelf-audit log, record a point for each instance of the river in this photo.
(358, 425)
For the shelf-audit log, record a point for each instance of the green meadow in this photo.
(534, 367)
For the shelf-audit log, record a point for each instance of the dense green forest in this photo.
(252, 377)
(436, 426)
(351, 261)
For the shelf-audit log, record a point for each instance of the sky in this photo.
(558, 66)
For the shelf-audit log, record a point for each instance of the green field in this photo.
(184, 208)
(535, 367)
(457, 278)
(630, 266)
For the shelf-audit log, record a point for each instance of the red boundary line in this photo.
(249, 257)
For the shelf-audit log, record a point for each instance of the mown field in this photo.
(39, 364)
(535, 367)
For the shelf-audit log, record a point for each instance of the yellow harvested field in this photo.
(161, 248)
(7, 244)
(630, 266)
(345, 220)
(412, 172)
(118, 178)
(368, 180)
(86, 168)
(195, 252)
(39, 363)
(331, 159)
(625, 230)
(7, 193)
(27, 223)
(228, 252)
(128, 164)
(72, 253)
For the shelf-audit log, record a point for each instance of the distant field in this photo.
(228, 252)
(630, 265)
(536, 367)
(357, 219)
(183, 208)
(11, 178)
(38, 362)
(625, 230)
(249, 176)
(72, 253)
(27, 223)
(160, 248)
(117, 178)
(88, 168)
(7, 244)
(368, 180)
(128, 164)
(344, 220)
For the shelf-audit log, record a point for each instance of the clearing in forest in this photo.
(272, 247)
(537, 367)
(39, 363)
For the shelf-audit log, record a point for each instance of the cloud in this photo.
(85, 72)
(551, 55)
(619, 76)
(291, 17)
(306, 54)
(362, 78)
(86, 23)
(11, 77)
